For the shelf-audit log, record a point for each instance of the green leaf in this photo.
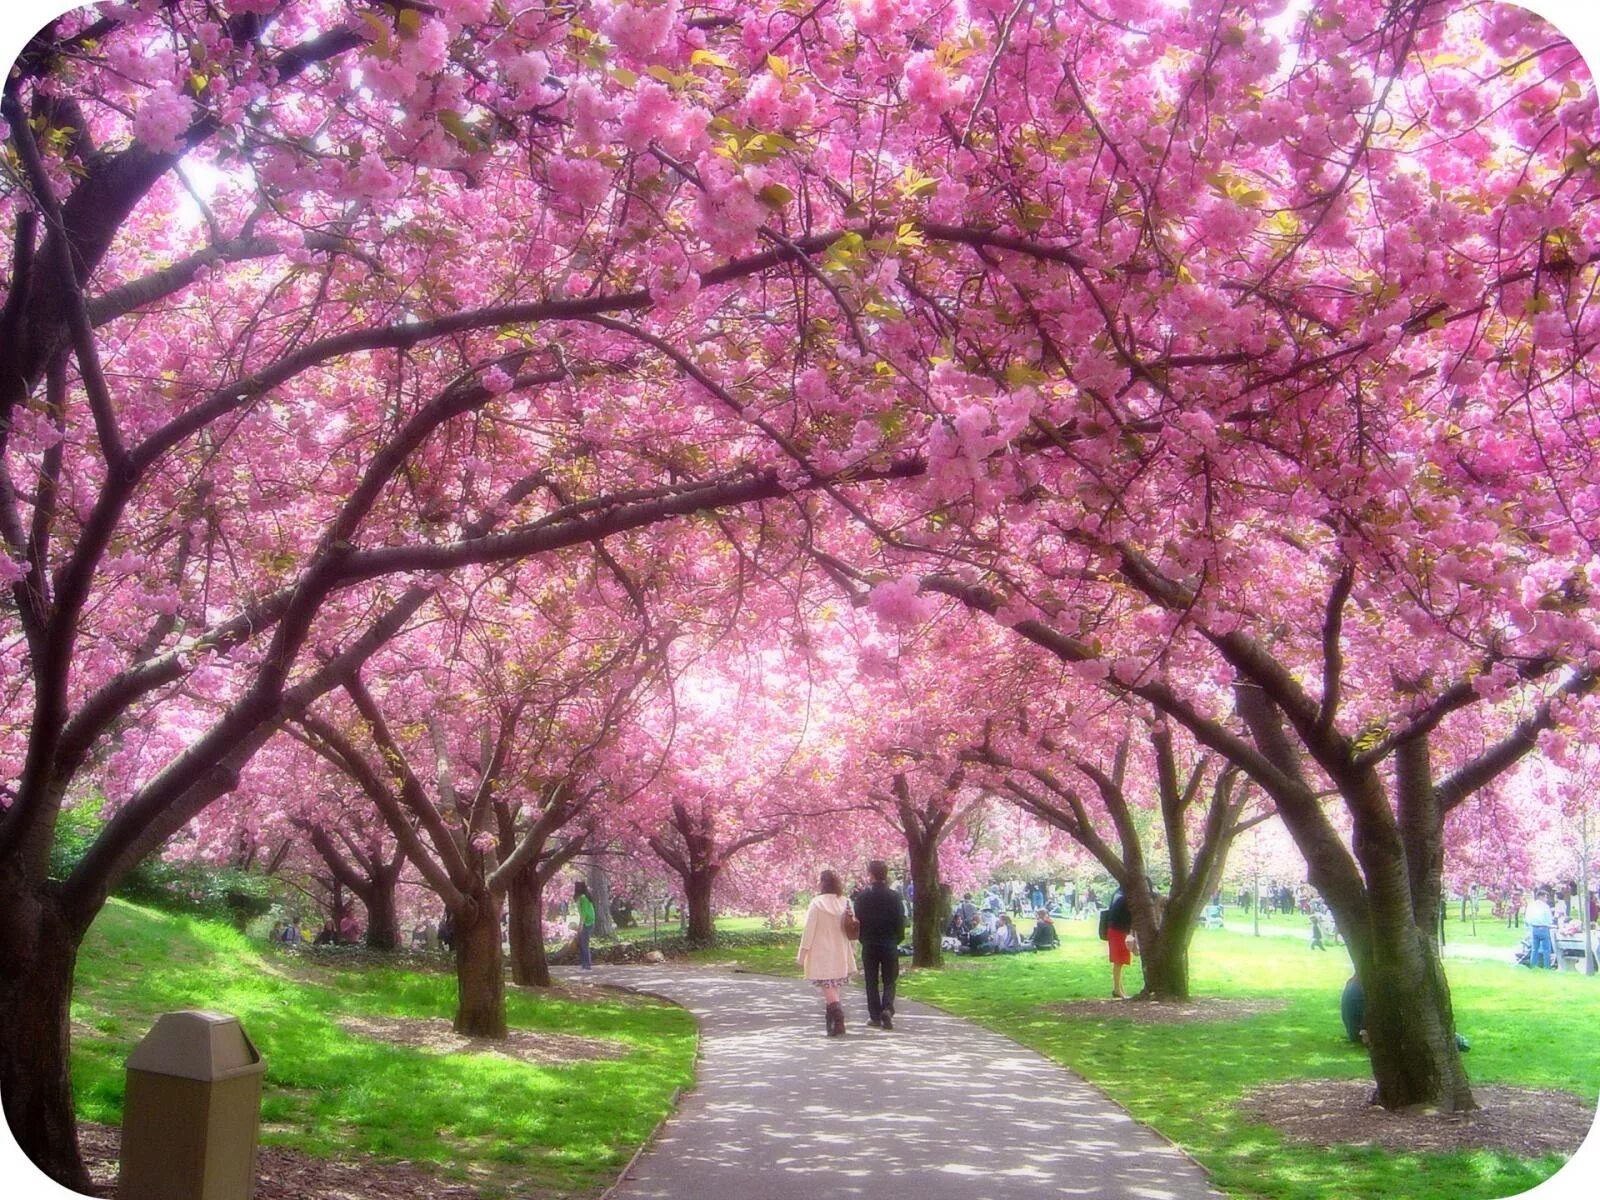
(456, 126)
(775, 195)
(380, 34)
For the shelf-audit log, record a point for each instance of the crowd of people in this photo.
(290, 932)
(989, 929)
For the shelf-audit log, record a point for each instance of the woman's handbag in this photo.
(849, 924)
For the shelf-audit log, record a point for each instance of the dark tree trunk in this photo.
(38, 955)
(530, 967)
(1163, 945)
(1165, 963)
(927, 915)
(1410, 1019)
(697, 904)
(480, 974)
(600, 893)
(383, 919)
(1166, 930)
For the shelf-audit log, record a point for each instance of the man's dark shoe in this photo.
(888, 1020)
(875, 1022)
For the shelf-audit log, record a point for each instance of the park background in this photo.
(1576, 24)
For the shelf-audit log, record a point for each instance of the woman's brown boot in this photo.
(835, 1019)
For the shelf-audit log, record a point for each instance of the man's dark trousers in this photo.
(880, 961)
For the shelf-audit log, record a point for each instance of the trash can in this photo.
(192, 1111)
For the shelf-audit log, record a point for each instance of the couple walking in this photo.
(828, 958)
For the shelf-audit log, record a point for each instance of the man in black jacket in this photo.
(883, 928)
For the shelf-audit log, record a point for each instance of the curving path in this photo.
(938, 1109)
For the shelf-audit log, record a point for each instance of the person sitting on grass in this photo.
(1044, 936)
(977, 941)
(1005, 939)
(1353, 1010)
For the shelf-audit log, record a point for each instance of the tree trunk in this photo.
(1411, 1027)
(529, 965)
(38, 955)
(480, 974)
(697, 904)
(1165, 933)
(383, 918)
(1165, 963)
(927, 916)
(600, 893)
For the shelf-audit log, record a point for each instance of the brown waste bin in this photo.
(192, 1111)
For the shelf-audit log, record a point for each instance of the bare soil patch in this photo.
(1152, 1012)
(284, 1174)
(1521, 1121)
(436, 1037)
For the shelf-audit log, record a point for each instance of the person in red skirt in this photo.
(1117, 929)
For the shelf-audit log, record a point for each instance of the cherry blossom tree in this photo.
(1126, 784)
(478, 742)
(733, 763)
(1317, 390)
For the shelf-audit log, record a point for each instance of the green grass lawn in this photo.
(1485, 931)
(503, 1125)
(1527, 1029)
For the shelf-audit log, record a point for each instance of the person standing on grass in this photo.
(883, 928)
(826, 956)
(585, 908)
(1316, 931)
(1120, 924)
(1539, 920)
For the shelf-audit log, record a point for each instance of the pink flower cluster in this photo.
(163, 119)
(929, 86)
(727, 212)
(897, 603)
(641, 29)
(578, 183)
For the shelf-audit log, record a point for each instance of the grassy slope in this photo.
(564, 1130)
(1527, 1030)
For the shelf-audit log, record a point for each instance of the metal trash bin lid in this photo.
(197, 1045)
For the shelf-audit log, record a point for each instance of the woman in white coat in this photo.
(826, 955)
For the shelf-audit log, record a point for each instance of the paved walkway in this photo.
(782, 1112)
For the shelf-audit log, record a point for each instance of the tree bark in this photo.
(697, 904)
(38, 956)
(1411, 1028)
(600, 893)
(1410, 1019)
(927, 918)
(1411, 1024)
(530, 966)
(383, 918)
(1164, 937)
(480, 974)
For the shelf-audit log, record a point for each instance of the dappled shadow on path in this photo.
(937, 1108)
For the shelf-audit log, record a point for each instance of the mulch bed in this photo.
(1519, 1121)
(1151, 1012)
(436, 1037)
(284, 1174)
